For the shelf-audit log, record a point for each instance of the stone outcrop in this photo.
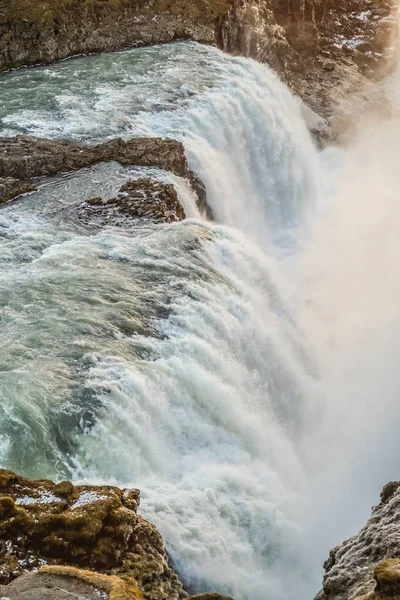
(367, 566)
(23, 158)
(141, 199)
(83, 540)
(64, 583)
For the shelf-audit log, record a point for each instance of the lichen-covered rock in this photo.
(368, 564)
(88, 527)
(141, 199)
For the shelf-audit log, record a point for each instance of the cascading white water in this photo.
(211, 365)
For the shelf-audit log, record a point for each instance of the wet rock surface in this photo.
(32, 33)
(23, 158)
(11, 188)
(368, 564)
(142, 199)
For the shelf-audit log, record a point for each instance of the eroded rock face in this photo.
(97, 528)
(325, 50)
(142, 199)
(24, 157)
(355, 568)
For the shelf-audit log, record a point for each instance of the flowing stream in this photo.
(242, 373)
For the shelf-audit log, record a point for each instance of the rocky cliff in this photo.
(63, 541)
(367, 566)
(324, 49)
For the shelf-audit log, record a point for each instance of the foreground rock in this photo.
(64, 583)
(142, 199)
(24, 157)
(60, 541)
(367, 566)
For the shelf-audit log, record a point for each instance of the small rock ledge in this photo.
(23, 158)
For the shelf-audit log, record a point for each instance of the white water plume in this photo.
(242, 374)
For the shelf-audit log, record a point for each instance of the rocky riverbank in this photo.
(62, 541)
(325, 50)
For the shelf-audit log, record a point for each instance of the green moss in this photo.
(7, 507)
(388, 571)
(117, 588)
(7, 478)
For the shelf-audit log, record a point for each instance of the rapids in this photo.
(213, 365)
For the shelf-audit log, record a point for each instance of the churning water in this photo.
(240, 372)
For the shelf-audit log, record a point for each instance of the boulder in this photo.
(368, 564)
(64, 583)
(93, 528)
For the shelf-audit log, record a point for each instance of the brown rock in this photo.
(25, 157)
(85, 527)
(32, 33)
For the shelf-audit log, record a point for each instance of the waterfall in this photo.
(213, 365)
